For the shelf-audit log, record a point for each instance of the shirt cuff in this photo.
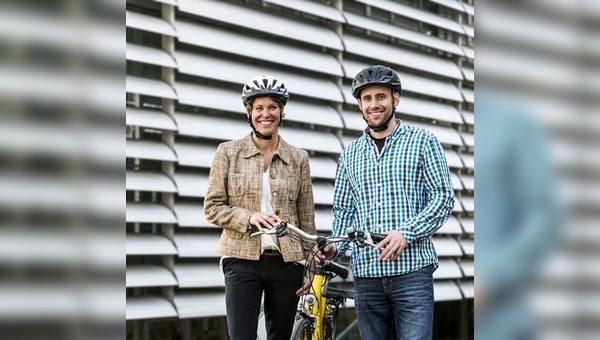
(407, 232)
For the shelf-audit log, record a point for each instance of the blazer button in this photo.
(277, 212)
(273, 176)
(275, 193)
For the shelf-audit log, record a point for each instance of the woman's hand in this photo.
(305, 288)
(264, 220)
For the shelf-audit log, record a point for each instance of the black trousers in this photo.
(245, 282)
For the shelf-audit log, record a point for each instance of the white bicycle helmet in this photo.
(264, 86)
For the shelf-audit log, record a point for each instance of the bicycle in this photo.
(317, 314)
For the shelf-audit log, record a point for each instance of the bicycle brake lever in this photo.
(268, 232)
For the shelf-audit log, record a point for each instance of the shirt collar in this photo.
(398, 130)
(249, 149)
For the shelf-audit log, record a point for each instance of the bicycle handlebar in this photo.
(361, 238)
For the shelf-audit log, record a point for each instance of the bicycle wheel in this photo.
(302, 329)
(330, 325)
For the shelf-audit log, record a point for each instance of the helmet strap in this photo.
(384, 125)
(256, 133)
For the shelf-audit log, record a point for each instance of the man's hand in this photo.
(392, 245)
(326, 253)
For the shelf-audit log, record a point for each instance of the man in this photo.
(394, 179)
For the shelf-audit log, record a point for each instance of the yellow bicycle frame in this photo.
(318, 309)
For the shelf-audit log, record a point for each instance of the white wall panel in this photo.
(149, 55)
(148, 181)
(398, 56)
(191, 184)
(235, 43)
(197, 245)
(195, 154)
(451, 4)
(149, 118)
(313, 8)
(240, 73)
(403, 34)
(145, 149)
(190, 275)
(416, 14)
(191, 215)
(446, 291)
(149, 87)
(448, 269)
(322, 167)
(148, 275)
(261, 21)
(148, 307)
(148, 213)
(148, 244)
(199, 304)
(446, 246)
(148, 23)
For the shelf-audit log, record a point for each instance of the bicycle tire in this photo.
(302, 329)
(330, 326)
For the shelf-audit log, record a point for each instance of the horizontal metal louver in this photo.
(241, 72)
(199, 304)
(149, 55)
(148, 244)
(149, 87)
(263, 22)
(237, 44)
(149, 307)
(194, 275)
(313, 8)
(191, 215)
(446, 246)
(148, 213)
(148, 275)
(148, 23)
(150, 119)
(148, 181)
(416, 14)
(417, 61)
(403, 34)
(145, 149)
(448, 269)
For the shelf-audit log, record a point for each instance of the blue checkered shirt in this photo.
(405, 187)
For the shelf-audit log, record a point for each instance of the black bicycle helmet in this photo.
(376, 75)
(264, 86)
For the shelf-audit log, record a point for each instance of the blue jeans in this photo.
(405, 301)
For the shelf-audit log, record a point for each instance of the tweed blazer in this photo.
(234, 194)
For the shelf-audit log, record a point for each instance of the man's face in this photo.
(376, 103)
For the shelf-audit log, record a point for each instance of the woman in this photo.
(255, 182)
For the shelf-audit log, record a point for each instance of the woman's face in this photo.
(266, 115)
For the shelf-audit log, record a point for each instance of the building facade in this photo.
(187, 61)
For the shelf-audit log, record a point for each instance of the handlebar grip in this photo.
(338, 269)
(377, 237)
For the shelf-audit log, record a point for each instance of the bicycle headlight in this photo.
(309, 299)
